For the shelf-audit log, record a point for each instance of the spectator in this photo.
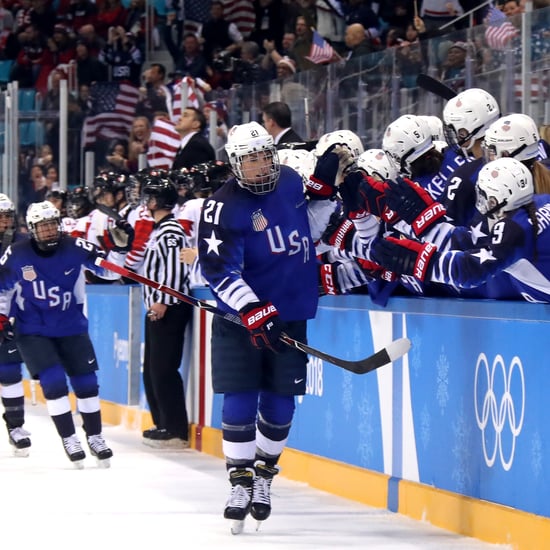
(512, 7)
(302, 45)
(88, 67)
(135, 22)
(218, 35)
(94, 42)
(454, 66)
(81, 13)
(269, 22)
(194, 147)
(43, 17)
(191, 61)
(6, 18)
(22, 15)
(123, 56)
(52, 178)
(117, 157)
(273, 56)
(155, 95)
(357, 11)
(61, 45)
(111, 13)
(221, 128)
(277, 120)
(436, 13)
(137, 143)
(247, 69)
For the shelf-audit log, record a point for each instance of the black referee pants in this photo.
(162, 380)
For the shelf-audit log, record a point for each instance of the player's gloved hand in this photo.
(339, 231)
(413, 204)
(6, 329)
(363, 195)
(322, 183)
(328, 279)
(405, 256)
(122, 236)
(376, 271)
(263, 322)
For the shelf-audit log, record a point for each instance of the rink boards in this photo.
(455, 433)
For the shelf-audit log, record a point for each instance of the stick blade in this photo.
(398, 348)
(430, 84)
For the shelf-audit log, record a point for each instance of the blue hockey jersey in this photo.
(259, 247)
(49, 289)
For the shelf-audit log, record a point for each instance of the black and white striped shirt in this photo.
(162, 263)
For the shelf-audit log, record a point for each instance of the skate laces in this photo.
(239, 497)
(261, 491)
(97, 443)
(17, 434)
(72, 444)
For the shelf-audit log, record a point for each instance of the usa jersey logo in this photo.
(29, 274)
(259, 221)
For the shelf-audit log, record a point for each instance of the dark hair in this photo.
(279, 112)
(160, 67)
(199, 117)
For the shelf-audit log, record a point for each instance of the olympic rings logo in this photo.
(500, 413)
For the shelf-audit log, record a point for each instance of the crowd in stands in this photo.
(216, 46)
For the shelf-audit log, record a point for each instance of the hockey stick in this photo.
(109, 212)
(435, 86)
(393, 351)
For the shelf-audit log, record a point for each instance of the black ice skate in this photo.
(238, 503)
(99, 449)
(20, 441)
(74, 451)
(260, 508)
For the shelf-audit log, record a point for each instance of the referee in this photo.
(166, 319)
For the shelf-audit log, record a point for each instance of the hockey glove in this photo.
(405, 256)
(122, 236)
(364, 195)
(339, 232)
(262, 321)
(376, 271)
(413, 204)
(322, 184)
(328, 279)
(6, 329)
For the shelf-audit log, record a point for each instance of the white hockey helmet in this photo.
(341, 137)
(503, 185)
(6, 204)
(250, 143)
(466, 118)
(376, 164)
(405, 140)
(44, 224)
(514, 135)
(300, 160)
(435, 124)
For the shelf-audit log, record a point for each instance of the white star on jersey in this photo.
(477, 233)
(484, 255)
(213, 244)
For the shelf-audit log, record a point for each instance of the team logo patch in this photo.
(259, 221)
(29, 274)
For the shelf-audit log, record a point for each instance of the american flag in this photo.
(321, 51)
(163, 144)
(499, 30)
(178, 105)
(240, 12)
(113, 111)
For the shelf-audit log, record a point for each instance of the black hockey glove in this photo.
(262, 321)
(405, 256)
(122, 236)
(6, 329)
(339, 232)
(322, 183)
(413, 204)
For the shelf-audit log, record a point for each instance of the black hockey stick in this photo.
(435, 86)
(391, 352)
(109, 212)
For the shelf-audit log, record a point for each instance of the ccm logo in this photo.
(430, 214)
(328, 279)
(260, 314)
(422, 261)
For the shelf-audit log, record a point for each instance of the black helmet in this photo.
(162, 189)
(209, 176)
(78, 202)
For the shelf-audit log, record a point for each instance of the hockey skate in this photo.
(99, 449)
(238, 503)
(74, 451)
(260, 508)
(20, 440)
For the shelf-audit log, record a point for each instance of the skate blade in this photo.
(78, 464)
(258, 524)
(22, 452)
(103, 464)
(237, 526)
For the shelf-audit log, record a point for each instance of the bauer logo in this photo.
(499, 399)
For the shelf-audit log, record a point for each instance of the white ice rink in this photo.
(151, 499)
